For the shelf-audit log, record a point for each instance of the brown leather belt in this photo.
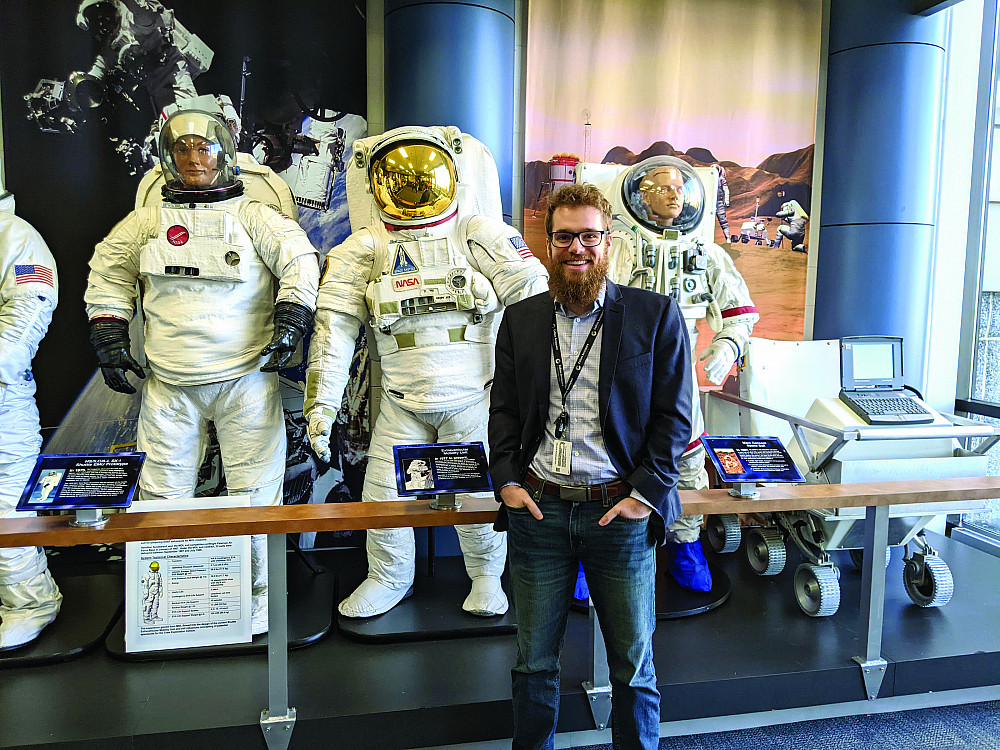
(580, 493)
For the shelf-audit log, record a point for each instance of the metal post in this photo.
(598, 688)
(278, 719)
(873, 598)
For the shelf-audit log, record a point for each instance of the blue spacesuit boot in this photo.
(581, 591)
(687, 564)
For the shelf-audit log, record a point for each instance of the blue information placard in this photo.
(738, 458)
(67, 481)
(437, 468)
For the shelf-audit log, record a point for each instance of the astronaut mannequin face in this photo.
(198, 156)
(662, 191)
(197, 161)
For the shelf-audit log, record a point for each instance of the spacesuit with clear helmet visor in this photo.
(208, 262)
(662, 239)
(430, 265)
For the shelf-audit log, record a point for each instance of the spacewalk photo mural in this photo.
(724, 83)
(84, 86)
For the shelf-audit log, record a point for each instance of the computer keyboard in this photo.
(887, 410)
(890, 405)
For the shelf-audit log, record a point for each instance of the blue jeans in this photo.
(620, 563)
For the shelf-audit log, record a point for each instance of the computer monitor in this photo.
(871, 363)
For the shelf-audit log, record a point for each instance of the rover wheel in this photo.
(765, 550)
(930, 584)
(817, 589)
(723, 532)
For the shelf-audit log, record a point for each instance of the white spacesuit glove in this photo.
(484, 294)
(320, 428)
(721, 356)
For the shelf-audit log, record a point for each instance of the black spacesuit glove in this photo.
(109, 337)
(291, 322)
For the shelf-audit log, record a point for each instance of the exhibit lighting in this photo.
(402, 152)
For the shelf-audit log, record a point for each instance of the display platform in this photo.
(91, 606)
(757, 653)
(310, 617)
(433, 611)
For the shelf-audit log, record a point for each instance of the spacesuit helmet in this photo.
(198, 154)
(99, 17)
(154, 566)
(664, 192)
(413, 179)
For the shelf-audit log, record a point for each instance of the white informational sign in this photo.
(184, 593)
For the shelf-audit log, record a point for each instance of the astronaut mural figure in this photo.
(151, 584)
(722, 200)
(430, 271)
(208, 262)
(795, 229)
(29, 598)
(668, 247)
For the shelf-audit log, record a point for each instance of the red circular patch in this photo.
(177, 235)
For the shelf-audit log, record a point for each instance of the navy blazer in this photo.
(644, 393)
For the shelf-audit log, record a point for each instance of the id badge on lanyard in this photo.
(562, 449)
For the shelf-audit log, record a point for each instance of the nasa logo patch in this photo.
(177, 235)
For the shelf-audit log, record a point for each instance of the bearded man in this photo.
(590, 412)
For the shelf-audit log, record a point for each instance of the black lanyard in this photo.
(562, 422)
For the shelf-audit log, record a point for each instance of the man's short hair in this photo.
(582, 194)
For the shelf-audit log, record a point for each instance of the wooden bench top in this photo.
(135, 527)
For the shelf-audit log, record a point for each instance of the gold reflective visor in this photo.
(414, 180)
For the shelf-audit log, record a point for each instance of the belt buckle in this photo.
(574, 494)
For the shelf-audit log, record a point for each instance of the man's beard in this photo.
(578, 289)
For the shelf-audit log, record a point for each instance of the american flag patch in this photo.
(522, 248)
(33, 274)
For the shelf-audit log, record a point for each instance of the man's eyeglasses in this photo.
(588, 237)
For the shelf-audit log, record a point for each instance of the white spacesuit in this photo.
(662, 240)
(430, 266)
(152, 589)
(29, 598)
(207, 262)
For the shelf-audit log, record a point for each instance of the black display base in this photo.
(433, 611)
(310, 617)
(91, 604)
(673, 600)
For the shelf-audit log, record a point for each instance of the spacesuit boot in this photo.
(258, 589)
(485, 553)
(391, 567)
(27, 607)
(581, 591)
(687, 565)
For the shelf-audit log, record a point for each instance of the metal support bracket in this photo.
(278, 719)
(277, 729)
(598, 687)
(599, 700)
(872, 673)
